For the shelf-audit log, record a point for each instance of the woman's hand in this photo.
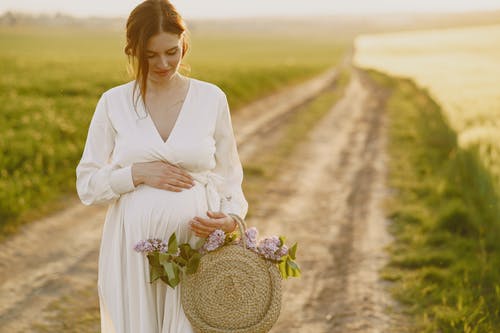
(202, 227)
(162, 175)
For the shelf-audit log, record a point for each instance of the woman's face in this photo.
(164, 54)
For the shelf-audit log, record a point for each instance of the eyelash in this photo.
(168, 53)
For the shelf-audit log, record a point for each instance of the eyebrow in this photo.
(175, 47)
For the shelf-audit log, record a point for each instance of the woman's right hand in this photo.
(162, 175)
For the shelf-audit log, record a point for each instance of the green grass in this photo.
(445, 218)
(52, 78)
(79, 313)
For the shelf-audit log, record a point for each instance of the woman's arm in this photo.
(228, 163)
(228, 166)
(97, 180)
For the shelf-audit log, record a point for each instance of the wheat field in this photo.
(460, 68)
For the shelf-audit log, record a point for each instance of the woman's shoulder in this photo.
(120, 91)
(207, 87)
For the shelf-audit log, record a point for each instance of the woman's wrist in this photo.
(136, 175)
(231, 225)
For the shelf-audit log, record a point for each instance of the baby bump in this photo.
(150, 212)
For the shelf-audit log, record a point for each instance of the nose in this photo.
(163, 61)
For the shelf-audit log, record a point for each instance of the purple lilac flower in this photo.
(214, 240)
(283, 251)
(143, 246)
(268, 247)
(150, 245)
(163, 248)
(251, 238)
(139, 246)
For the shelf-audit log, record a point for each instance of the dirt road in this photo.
(327, 200)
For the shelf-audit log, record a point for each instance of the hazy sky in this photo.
(240, 8)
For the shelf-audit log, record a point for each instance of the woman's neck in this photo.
(158, 87)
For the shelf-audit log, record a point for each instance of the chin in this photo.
(161, 78)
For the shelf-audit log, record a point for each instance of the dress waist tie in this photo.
(212, 183)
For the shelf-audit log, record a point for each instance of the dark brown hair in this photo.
(150, 18)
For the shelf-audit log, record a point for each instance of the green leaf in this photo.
(292, 264)
(289, 270)
(153, 258)
(155, 269)
(176, 280)
(282, 268)
(171, 283)
(230, 238)
(164, 257)
(193, 263)
(155, 272)
(172, 244)
(282, 241)
(293, 268)
(185, 251)
(181, 261)
(169, 269)
(295, 273)
(292, 251)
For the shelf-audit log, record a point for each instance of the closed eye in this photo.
(171, 51)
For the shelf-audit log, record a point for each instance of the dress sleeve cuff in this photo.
(232, 207)
(121, 180)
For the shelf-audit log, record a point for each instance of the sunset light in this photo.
(241, 8)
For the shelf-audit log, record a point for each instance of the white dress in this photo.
(202, 143)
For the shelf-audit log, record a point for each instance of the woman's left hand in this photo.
(202, 227)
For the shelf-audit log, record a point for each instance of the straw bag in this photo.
(233, 290)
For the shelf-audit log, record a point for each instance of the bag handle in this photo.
(242, 226)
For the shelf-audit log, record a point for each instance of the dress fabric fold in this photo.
(202, 143)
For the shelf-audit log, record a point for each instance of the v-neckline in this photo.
(181, 111)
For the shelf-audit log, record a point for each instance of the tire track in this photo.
(334, 186)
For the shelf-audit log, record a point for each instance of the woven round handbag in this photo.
(233, 290)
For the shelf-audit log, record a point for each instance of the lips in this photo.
(162, 73)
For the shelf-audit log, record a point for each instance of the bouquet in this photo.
(168, 260)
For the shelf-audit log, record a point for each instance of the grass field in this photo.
(445, 168)
(459, 67)
(445, 218)
(51, 80)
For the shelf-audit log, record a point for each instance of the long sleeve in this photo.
(228, 163)
(97, 180)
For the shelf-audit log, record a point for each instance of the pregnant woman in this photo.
(161, 153)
